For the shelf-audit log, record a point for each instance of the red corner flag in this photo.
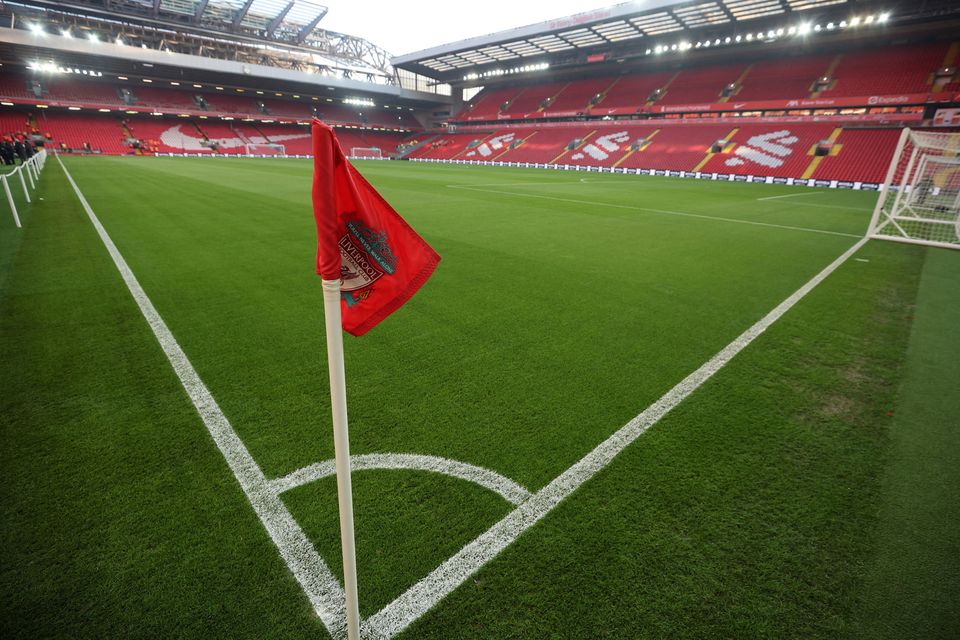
(361, 241)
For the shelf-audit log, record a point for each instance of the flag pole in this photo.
(341, 443)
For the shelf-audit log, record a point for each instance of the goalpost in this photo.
(920, 198)
(366, 153)
(264, 149)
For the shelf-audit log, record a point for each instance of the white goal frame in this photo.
(261, 149)
(912, 207)
(366, 153)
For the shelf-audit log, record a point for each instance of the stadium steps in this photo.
(864, 156)
(510, 146)
(828, 73)
(646, 143)
(948, 61)
(583, 141)
(738, 83)
(812, 167)
(408, 151)
(710, 154)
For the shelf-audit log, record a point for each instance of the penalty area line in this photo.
(322, 589)
(420, 598)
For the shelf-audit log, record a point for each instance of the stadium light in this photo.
(73, 108)
(198, 86)
(883, 17)
(104, 110)
(175, 84)
(93, 37)
(868, 19)
(6, 104)
(147, 80)
(854, 21)
(804, 28)
(37, 29)
(66, 33)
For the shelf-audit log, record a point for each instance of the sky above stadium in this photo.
(412, 25)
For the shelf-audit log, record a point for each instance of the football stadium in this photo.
(640, 321)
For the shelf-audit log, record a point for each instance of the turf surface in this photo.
(563, 307)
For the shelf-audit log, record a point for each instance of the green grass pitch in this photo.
(808, 490)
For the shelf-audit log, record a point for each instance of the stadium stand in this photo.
(449, 146)
(163, 98)
(14, 122)
(783, 78)
(103, 134)
(487, 104)
(862, 155)
(675, 147)
(531, 101)
(886, 71)
(626, 94)
(576, 96)
(236, 105)
(784, 150)
(703, 85)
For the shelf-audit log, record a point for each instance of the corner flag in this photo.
(361, 241)
(370, 262)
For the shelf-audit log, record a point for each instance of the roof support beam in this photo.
(310, 26)
(280, 16)
(201, 7)
(156, 7)
(242, 13)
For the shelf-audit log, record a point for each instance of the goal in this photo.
(264, 149)
(366, 152)
(920, 198)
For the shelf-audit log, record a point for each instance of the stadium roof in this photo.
(636, 25)
(284, 23)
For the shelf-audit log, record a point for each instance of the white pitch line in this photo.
(507, 488)
(793, 195)
(661, 211)
(322, 589)
(421, 597)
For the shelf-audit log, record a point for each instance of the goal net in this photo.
(265, 149)
(920, 198)
(366, 152)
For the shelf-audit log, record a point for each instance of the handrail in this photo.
(32, 168)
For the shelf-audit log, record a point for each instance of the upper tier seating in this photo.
(162, 98)
(886, 71)
(576, 96)
(530, 101)
(703, 85)
(626, 94)
(782, 79)
(486, 104)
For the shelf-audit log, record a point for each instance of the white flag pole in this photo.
(341, 443)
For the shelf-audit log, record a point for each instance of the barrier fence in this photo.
(31, 169)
